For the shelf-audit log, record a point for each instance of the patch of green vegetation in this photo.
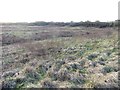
(92, 57)
(31, 75)
(18, 33)
(81, 53)
(58, 64)
(102, 59)
(73, 70)
(88, 44)
(115, 50)
(77, 81)
(108, 69)
(96, 41)
(73, 85)
(59, 55)
(83, 71)
(20, 86)
(41, 72)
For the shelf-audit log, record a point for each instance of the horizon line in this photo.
(55, 21)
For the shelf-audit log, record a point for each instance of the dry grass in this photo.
(77, 58)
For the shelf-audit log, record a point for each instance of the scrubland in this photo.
(59, 57)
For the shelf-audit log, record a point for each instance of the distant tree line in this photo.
(75, 24)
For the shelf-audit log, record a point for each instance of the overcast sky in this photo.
(58, 10)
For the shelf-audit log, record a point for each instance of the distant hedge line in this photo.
(74, 24)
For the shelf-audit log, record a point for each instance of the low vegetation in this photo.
(59, 57)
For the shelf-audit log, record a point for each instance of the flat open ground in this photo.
(59, 57)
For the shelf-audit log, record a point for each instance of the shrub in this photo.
(92, 56)
(109, 69)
